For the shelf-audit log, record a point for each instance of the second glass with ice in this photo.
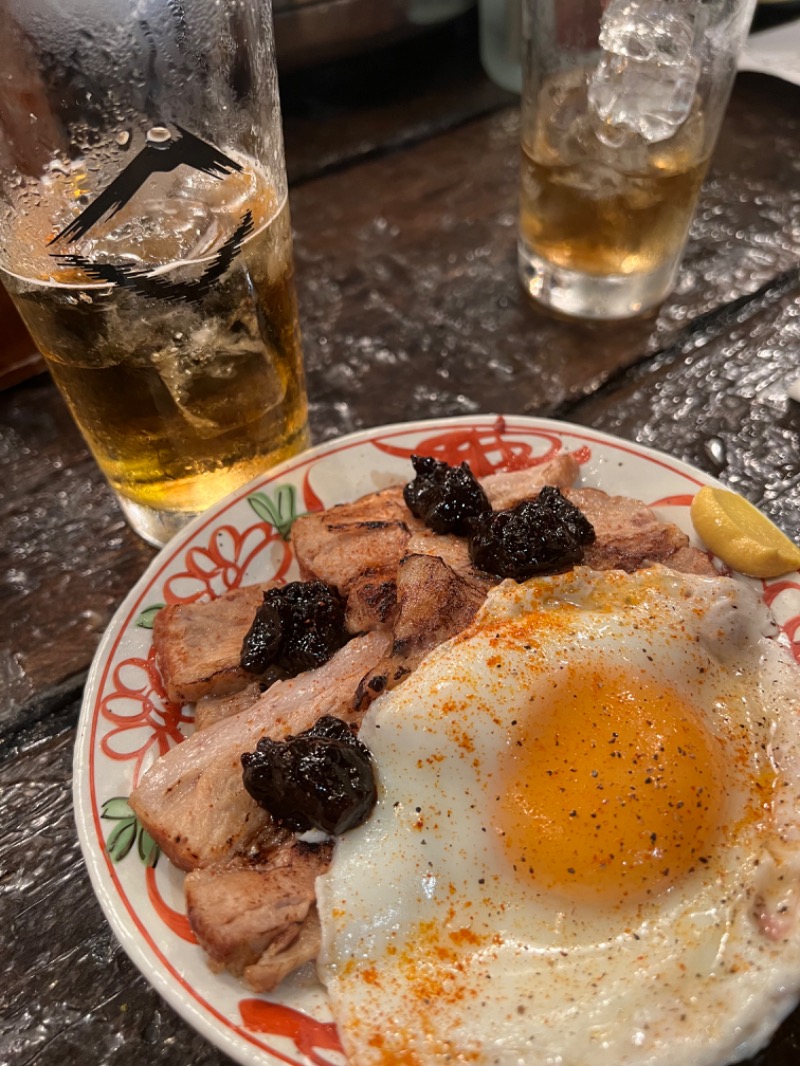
(622, 103)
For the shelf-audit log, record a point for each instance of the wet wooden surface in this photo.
(403, 200)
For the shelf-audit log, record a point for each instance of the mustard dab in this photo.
(741, 536)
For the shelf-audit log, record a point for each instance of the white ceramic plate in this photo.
(126, 721)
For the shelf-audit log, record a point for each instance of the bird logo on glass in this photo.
(163, 153)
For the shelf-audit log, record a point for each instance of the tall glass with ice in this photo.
(145, 239)
(622, 102)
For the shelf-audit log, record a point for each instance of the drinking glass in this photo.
(622, 102)
(145, 239)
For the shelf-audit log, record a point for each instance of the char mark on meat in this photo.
(354, 546)
(372, 600)
(256, 917)
(434, 603)
(357, 547)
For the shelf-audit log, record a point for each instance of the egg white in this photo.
(440, 947)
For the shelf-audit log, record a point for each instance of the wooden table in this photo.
(403, 170)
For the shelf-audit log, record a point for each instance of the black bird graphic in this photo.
(156, 157)
(146, 283)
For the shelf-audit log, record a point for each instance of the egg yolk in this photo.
(613, 789)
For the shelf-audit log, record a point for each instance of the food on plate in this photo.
(357, 547)
(741, 536)
(193, 801)
(297, 627)
(250, 895)
(536, 536)
(446, 498)
(402, 590)
(258, 919)
(322, 778)
(199, 645)
(586, 845)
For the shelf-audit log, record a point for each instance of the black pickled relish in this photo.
(298, 627)
(320, 779)
(538, 536)
(445, 497)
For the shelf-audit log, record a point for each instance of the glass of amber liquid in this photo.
(622, 101)
(145, 240)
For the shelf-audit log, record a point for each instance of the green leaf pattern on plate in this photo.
(147, 616)
(278, 510)
(127, 832)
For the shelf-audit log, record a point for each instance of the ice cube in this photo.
(645, 81)
(641, 97)
(656, 30)
(218, 378)
(564, 129)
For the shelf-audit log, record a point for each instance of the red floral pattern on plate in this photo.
(222, 564)
(487, 451)
(145, 723)
(308, 1034)
(791, 625)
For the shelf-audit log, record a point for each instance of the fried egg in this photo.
(586, 847)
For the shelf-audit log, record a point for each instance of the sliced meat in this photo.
(689, 560)
(212, 709)
(282, 958)
(434, 603)
(439, 591)
(629, 535)
(372, 600)
(506, 489)
(339, 545)
(358, 546)
(192, 800)
(453, 550)
(198, 645)
(355, 547)
(257, 918)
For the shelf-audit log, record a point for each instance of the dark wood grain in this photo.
(718, 399)
(385, 99)
(67, 983)
(67, 557)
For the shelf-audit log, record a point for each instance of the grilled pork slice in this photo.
(357, 547)
(629, 535)
(372, 600)
(257, 917)
(212, 709)
(439, 591)
(198, 645)
(506, 489)
(689, 560)
(192, 800)
(285, 955)
(435, 601)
